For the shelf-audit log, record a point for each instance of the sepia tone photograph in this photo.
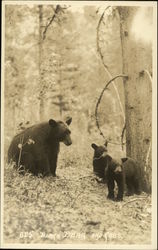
(78, 125)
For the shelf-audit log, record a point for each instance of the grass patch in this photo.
(71, 208)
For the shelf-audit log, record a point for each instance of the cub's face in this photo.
(99, 151)
(61, 131)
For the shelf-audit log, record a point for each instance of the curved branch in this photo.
(148, 152)
(122, 135)
(105, 66)
(150, 78)
(98, 47)
(147, 157)
(117, 143)
(99, 100)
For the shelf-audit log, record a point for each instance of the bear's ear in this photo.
(52, 123)
(106, 143)
(94, 146)
(124, 159)
(68, 120)
(108, 157)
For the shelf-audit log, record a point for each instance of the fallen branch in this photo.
(75, 179)
(73, 202)
(82, 177)
(140, 198)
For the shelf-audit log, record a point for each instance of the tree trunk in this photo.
(137, 63)
(41, 82)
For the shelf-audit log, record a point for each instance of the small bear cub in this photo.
(122, 171)
(99, 161)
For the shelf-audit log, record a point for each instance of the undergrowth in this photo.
(71, 208)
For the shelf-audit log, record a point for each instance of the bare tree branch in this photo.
(122, 135)
(98, 102)
(98, 47)
(105, 66)
(57, 9)
(147, 157)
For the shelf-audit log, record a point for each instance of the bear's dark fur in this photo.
(125, 170)
(36, 148)
(99, 161)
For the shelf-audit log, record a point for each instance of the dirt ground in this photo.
(72, 208)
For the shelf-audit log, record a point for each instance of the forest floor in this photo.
(72, 208)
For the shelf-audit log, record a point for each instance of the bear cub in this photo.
(36, 148)
(122, 171)
(99, 161)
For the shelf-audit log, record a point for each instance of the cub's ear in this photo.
(108, 157)
(94, 146)
(68, 120)
(106, 143)
(52, 123)
(124, 159)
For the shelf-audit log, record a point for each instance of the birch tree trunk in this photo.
(137, 63)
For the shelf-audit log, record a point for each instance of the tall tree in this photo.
(137, 63)
(41, 94)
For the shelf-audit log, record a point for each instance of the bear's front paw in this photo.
(138, 192)
(119, 199)
(129, 193)
(56, 176)
(99, 180)
(110, 197)
(47, 174)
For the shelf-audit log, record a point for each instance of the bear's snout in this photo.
(67, 141)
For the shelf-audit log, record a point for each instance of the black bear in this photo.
(36, 148)
(99, 161)
(123, 171)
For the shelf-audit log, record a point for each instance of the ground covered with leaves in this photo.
(71, 208)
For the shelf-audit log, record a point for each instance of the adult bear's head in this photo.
(60, 130)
